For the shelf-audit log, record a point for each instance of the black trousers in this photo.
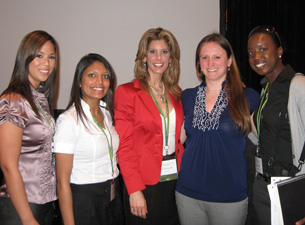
(92, 205)
(261, 201)
(43, 213)
(161, 205)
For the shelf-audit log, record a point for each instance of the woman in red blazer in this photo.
(148, 118)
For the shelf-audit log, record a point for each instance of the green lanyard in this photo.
(110, 146)
(166, 125)
(260, 109)
(44, 115)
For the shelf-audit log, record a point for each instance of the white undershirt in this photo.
(171, 133)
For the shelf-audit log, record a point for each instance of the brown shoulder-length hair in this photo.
(237, 102)
(19, 83)
(171, 75)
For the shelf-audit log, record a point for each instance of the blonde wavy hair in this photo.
(171, 75)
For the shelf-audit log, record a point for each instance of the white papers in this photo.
(287, 196)
(276, 210)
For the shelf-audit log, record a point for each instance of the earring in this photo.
(280, 56)
(144, 64)
(170, 64)
(229, 68)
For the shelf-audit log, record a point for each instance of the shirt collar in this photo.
(37, 96)
(86, 107)
(286, 74)
(204, 84)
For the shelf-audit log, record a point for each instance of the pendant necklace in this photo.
(162, 95)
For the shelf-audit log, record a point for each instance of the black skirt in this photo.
(161, 205)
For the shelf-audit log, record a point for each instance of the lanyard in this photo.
(260, 109)
(44, 115)
(110, 146)
(166, 123)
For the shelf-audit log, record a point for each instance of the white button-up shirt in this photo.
(88, 144)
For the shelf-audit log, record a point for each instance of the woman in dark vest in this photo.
(279, 122)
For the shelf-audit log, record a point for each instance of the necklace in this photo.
(162, 95)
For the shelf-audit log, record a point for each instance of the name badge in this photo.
(259, 165)
(169, 169)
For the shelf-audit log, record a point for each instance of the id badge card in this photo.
(112, 190)
(169, 169)
(259, 165)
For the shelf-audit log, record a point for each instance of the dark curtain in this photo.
(239, 17)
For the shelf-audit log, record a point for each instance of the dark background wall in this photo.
(239, 17)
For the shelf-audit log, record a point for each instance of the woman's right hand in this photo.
(138, 205)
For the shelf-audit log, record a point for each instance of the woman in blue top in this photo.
(212, 183)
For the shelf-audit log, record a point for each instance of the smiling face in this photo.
(158, 57)
(214, 62)
(264, 56)
(95, 82)
(41, 67)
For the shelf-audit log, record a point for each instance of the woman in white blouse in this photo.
(85, 144)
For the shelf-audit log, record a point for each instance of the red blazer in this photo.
(139, 125)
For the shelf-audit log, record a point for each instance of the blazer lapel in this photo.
(147, 100)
